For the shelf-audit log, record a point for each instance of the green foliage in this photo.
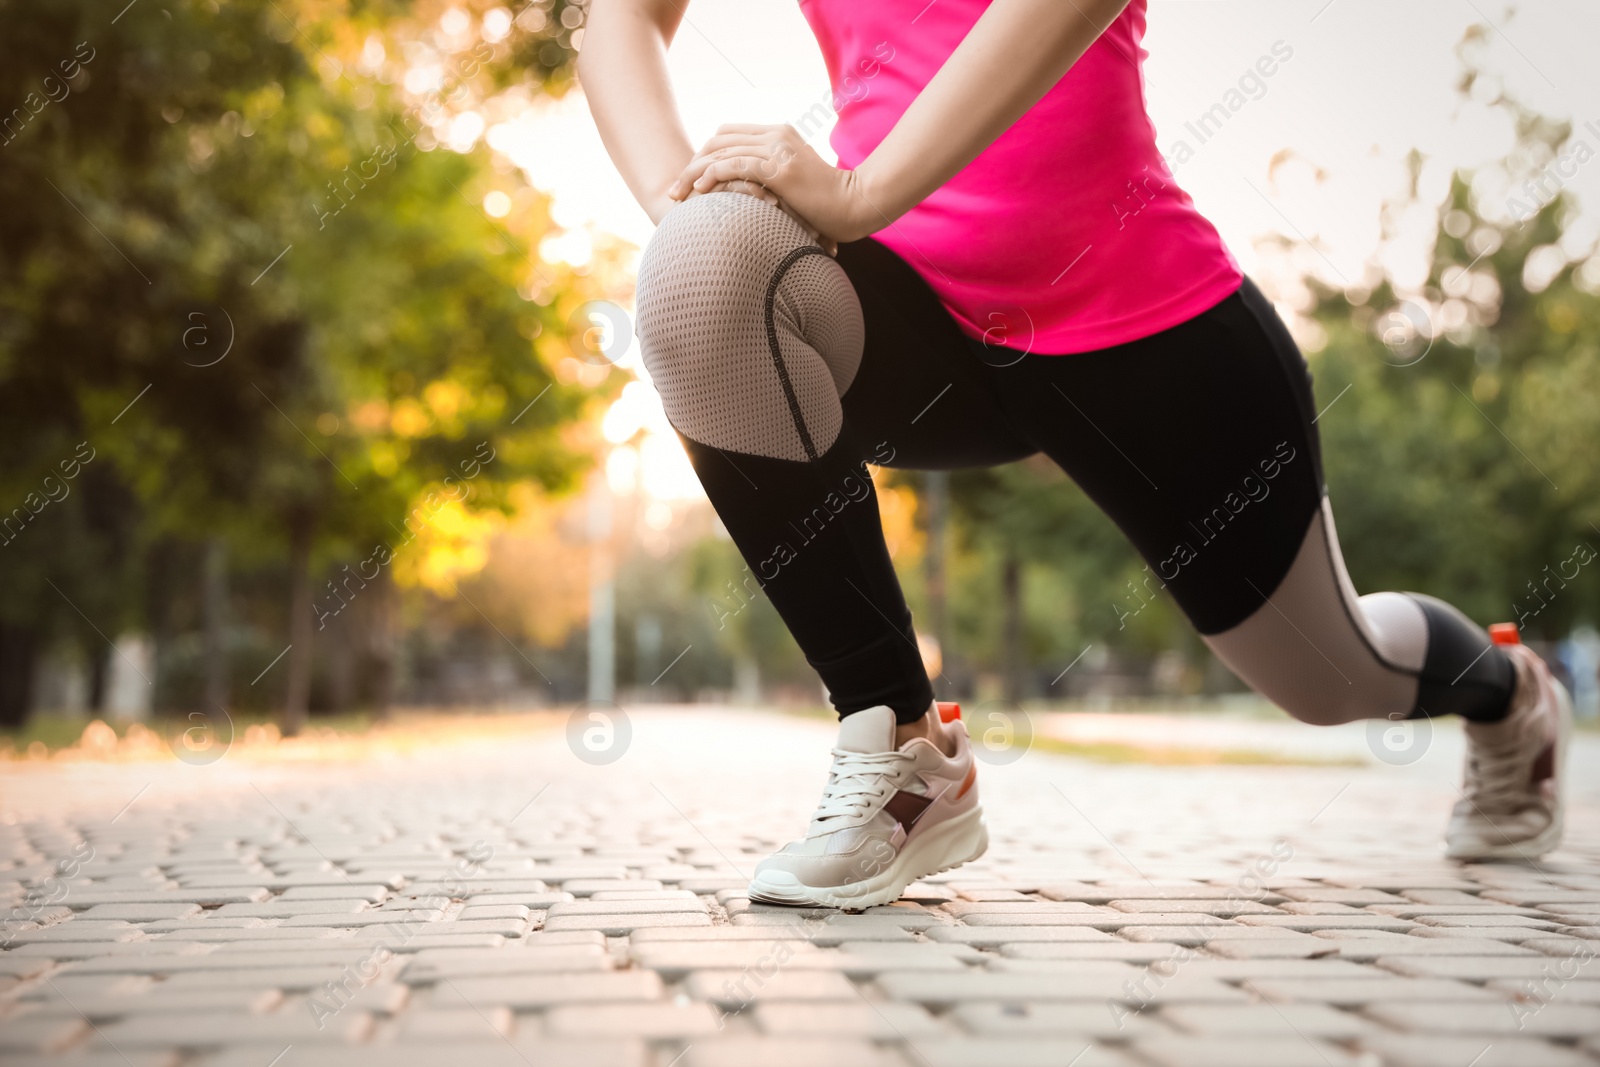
(243, 271)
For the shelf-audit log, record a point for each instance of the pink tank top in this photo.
(1068, 233)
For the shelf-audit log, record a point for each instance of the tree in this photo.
(326, 341)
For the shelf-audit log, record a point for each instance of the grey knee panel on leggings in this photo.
(750, 332)
(1327, 656)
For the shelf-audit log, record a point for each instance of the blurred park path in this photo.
(496, 899)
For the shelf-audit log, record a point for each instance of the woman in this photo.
(1001, 264)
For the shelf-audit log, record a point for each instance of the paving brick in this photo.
(1042, 1018)
(532, 901)
(1271, 948)
(1308, 923)
(205, 897)
(1551, 987)
(494, 911)
(1471, 968)
(1220, 908)
(817, 933)
(1510, 934)
(341, 890)
(431, 965)
(1404, 882)
(1110, 949)
(1026, 905)
(1206, 933)
(989, 936)
(1527, 1020)
(945, 989)
(617, 924)
(591, 906)
(454, 1024)
(1434, 1051)
(985, 895)
(1401, 946)
(1354, 991)
(1266, 1020)
(731, 989)
(363, 918)
(543, 990)
(1412, 911)
(95, 1058)
(140, 913)
(650, 1021)
(44, 1033)
(1243, 1052)
(883, 1021)
(1536, 897)
(1017, 1052)
(1490, 919)
(491, 1051)
(283, 909)
(209, 1031)
(288, 979)
(1341, 895)
(583, 880)
(788, 1052)
(78, 930)
(1441, 896)
(1241, 969)
(241, 936)
(157, 1001)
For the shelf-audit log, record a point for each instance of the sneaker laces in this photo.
(855, 781)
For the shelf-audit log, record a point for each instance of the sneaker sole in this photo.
(959, 840)
(1550, 837)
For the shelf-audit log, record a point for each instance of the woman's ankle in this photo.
(930, 728)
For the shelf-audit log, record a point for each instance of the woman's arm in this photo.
(1012, 56)
(623, 69)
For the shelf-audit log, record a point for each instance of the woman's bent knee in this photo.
(747, 328)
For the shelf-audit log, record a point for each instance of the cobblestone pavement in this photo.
(493, 903)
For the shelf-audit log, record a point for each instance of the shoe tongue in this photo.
(871, 730)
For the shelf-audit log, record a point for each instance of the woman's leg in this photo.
(1200, 443)
(751, 334)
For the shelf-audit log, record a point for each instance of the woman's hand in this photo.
(775, 158)
(761, 192)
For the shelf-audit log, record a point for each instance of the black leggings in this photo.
(1198, 442)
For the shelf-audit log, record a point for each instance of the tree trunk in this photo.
(342, 654)
(99, 654)
(1011, 633)
(214, 623)
(19, 648)
(297, 699)
(938, 500)
(380, 643)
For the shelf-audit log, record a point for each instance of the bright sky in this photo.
(1368, 81)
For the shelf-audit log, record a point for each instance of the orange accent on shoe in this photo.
(1505, 633)
(966, 783)
(949, 710)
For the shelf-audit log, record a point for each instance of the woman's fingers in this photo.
(750, 167)
(720, 147)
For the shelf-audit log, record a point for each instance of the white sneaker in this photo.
(1511, 806)
(887, 817)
